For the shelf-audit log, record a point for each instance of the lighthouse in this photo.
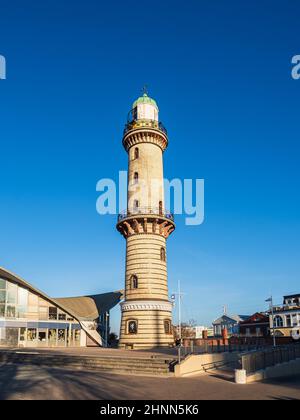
(146, 225)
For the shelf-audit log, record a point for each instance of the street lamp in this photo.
(179, 294)
(270, 300)
(106, 327)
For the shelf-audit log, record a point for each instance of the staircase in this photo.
(123, 365)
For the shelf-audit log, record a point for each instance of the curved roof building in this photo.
(30, 318)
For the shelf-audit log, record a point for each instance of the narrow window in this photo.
(134, 282)
(136, 177)
(167, 326)
(162, 254)
(136, 153)
(132, 327)
(160, 207)
(136, 205)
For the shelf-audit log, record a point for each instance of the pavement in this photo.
(26, 382)
(167, 353)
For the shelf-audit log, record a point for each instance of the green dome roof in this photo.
(145, 99)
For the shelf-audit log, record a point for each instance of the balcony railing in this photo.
(145, 123)
(145, 211)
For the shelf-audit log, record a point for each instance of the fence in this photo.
(213, 347)
(259, 360)
(216, 346)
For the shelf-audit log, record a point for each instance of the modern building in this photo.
(257, 325)
(229, 322)
(30, 318)
(287, 317)
(146, 226)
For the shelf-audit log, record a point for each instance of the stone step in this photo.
(98, 361)
(88, 358)
(105, 364)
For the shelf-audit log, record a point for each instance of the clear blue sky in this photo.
(221, 73)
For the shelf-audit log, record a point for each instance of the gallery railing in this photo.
(145, 211)
(145, 123)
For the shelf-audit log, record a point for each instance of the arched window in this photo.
(136, 153)
(162, 254)
(136, 177)
(278, 321)
(134, 281)
(132, 326)
(167, 326)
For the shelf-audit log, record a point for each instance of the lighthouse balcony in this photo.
(146, 220)
(146, 211)
(144, 123)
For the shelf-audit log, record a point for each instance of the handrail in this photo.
(254, 361)
(145, 124)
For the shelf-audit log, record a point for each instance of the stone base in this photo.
(150, 318)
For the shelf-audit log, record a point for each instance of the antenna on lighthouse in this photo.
(145, 90)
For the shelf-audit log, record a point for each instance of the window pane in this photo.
(12, 336)
(42, 335)
(11, 293)
(11, 297)
(2, 310)
(33, 310)
(22, 296)
(2, 284)
(52, 336)
(22, 334)
(31, 334)
(61, 336)
(22, 310)
(12, 287)
(77, 335)
(62, 316)
(52, 312)
(43, 313)
(132, 327)
(10, 311)
(33, 300)
(2, 296)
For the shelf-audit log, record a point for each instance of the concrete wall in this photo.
(291, 368)
(195, 364)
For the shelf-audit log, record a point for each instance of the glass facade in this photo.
(29, 320)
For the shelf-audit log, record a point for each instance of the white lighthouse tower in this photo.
(146, 225)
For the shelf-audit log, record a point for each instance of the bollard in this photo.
(240, 376)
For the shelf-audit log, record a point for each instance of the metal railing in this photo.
(259, 360)
(219, 347)
(146, 211)
(145, 123)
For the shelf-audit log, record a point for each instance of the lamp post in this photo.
(270, 300)
(179, 294)
(106, 327)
